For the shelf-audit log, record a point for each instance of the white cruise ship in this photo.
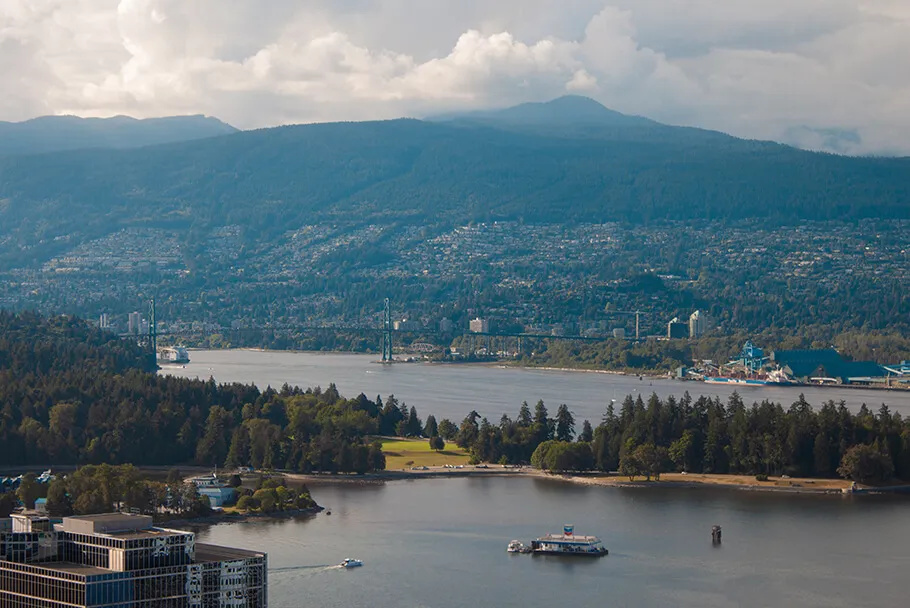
(568, 544)
(177, 355)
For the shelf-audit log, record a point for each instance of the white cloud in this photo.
(797, 71)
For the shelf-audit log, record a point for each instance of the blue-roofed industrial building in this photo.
(219, 496)
(827, 365)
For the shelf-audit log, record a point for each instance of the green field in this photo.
(406, 453)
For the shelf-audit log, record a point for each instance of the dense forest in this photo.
(70, 394)
(700, 436)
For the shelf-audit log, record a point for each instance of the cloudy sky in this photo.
(831, 74)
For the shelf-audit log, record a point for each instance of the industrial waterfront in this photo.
(442, 544)
(451, 391)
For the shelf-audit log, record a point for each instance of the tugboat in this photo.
(568, 544)
(350, 563)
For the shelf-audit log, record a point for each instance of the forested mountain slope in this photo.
(451, 172)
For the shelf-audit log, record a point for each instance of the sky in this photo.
(820, 74)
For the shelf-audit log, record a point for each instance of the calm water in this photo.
(451, 391)
(441, 544)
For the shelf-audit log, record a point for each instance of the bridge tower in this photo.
(153, 332)
(387, 332)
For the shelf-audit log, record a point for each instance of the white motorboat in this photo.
(351, 563)
(515, 546)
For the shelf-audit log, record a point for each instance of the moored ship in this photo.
(568, 544)
(772, 378)
(176, 355)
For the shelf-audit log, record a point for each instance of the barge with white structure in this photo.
(568, 543)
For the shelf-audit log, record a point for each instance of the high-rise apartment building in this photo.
(698, 324)
(677, 328)
(479, 326)
(135, 319)
(123, 561)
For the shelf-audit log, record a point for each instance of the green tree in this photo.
(524, 416)
(239, 452)
(542, 424)
(822, 454)
(376, 458)
(447, 430)
(92, 502)
(681, 449)
(59, 503)
(247, 503)
(587, 432)
(415, 428)
(8, 503)
(629, 466)
(437, 443)
(866, 464)
(565, 424)
(267, 499)
(30, 490)
(468, 432)
(430, 429)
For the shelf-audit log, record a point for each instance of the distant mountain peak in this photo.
(567, 110)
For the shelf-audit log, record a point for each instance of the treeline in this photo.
(72, 395)
(700, 435)
(101, 489)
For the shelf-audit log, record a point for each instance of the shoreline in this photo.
(649, 375)
(230, 518)
(668, 480)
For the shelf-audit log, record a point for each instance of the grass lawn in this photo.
(399, 452)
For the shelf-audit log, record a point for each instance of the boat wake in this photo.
(305, 568)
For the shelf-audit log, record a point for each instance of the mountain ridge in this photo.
(45, 134)
(423, 172)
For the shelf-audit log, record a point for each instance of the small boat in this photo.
(351, 563)
(515, 546)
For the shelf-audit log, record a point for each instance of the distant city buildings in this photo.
(698, 324)
(121, 560)
(133, 323)
(446, 326)
(619, 333)
(103, 321)
(677, 329)
(407, 325)
(479, 326)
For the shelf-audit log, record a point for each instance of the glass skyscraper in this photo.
(120, 560)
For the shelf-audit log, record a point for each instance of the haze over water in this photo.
(451, 391)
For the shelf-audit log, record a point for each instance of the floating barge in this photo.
(568, 543)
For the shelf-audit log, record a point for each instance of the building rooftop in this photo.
(213, 553)
(120, 525)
